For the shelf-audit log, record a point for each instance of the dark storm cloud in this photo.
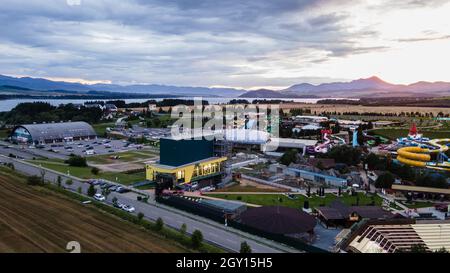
(190, 42)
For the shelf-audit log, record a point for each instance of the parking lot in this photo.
(90, 147)
(148, 133)
(62, 150)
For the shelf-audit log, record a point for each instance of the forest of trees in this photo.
(39, 112)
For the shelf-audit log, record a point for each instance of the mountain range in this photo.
(361, 88)
(38, 84)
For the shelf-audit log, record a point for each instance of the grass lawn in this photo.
(273, 199)
(4, 133)
(396, 133)
(146, 187)
(85, 172)
(100, 128)
(123, 157)
(417, 205)
(247, 188)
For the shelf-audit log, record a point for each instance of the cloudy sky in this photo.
(237, 43)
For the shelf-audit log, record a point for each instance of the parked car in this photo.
(441, 207)
(121, 190)
(96, 182)
(91, 181)
(194, 185)
(118, 205)
(99, 197)
(105, 185)
(206, 189)
(128, 208)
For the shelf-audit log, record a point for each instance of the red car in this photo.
(441, 207)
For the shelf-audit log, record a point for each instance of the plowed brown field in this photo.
(33, 220)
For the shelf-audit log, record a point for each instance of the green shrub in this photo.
(34, 180)
(91, 191)
(245, 248)
(95, 171)
(197, 239)
(77, 161)
(140, 216)
(159, 224)
(183, 229)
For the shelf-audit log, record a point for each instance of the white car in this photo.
(194, 185)
(128, 208)
(206, 189)
(99, 197)
(118, 205)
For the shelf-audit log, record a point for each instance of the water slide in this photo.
(323, 148)
(340, 139)
(418, 156)
(355, 138)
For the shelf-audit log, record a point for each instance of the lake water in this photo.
(7, 105)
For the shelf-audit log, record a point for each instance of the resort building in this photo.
(399, 235)
(185, 161)
(318, 178)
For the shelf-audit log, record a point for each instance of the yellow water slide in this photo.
(420, 157)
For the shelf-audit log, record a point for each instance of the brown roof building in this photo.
(339, 214)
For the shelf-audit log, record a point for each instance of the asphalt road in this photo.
(213, 232)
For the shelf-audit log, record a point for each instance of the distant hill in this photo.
(266, 93)
(371, 87)
(361, 88)
(46, 85)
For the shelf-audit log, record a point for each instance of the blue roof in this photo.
(319, 175)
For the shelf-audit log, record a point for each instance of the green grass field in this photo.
(3, 133)
(146, 187)
(100, 128)
(247, 188)
(397, 133)
(417, 205)
(123, 157)
(85, 172)
(274, 199)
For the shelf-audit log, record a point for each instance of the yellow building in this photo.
(187, 173)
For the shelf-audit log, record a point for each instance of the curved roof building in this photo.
(52, 132)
